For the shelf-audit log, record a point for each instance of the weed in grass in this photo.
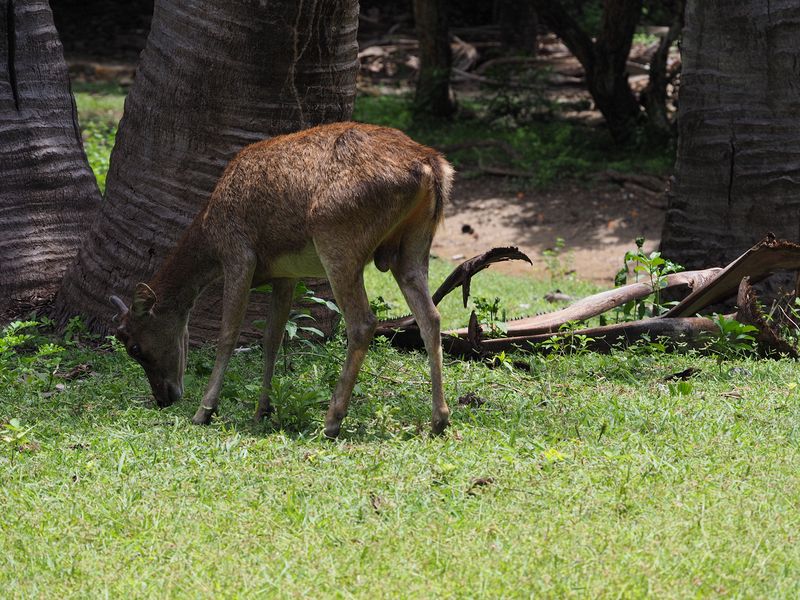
(557, 261)
(491, 315)
(655, 268)
(15, 438)
(25, 358)
(293, 328)
(734, 340)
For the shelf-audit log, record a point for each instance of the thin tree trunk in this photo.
(738, 167)
(433, 95)
(47, 190)
(654, 96)
(608, 77)
(603, 60)
(213, 78)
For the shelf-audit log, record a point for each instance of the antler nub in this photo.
(116, 301)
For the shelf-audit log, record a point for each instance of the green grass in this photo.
(599, 479)
(100, 108)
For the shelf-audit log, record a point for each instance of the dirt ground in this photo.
(598, 223)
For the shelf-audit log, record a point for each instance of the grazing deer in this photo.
(318, 203)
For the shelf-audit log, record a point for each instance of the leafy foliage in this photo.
(655, 268)
(491, 315)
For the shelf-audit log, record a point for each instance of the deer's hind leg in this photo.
(280, 303)
(347, 282)
(410, 270)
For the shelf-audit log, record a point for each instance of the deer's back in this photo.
(279, 194)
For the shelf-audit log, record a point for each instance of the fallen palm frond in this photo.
(704, 288)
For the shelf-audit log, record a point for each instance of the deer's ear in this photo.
(144, 298)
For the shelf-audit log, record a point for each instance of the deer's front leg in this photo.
(277, 314)
(238, 279)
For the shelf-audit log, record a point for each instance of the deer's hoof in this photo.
(332, 430)
(439, 423)
(203, 416)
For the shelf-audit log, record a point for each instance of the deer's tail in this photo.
(442, 184)
(417, 229)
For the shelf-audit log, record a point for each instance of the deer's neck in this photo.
(185, 273)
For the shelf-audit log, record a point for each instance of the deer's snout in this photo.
(167, 394)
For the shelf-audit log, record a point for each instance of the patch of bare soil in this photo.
(598, 223)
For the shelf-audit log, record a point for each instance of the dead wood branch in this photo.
(504, 172)
(760, 261)
(598, 304)
(649, 182)
(692, 330)
(707, 287)
(769, 340)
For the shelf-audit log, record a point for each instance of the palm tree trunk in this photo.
(738, 168)
(213, 78)
(48, 193)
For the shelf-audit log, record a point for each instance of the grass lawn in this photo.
(587, 476)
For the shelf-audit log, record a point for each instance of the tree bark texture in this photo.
(433, 96)
(213, 78)
(47, 190)
(737, 174)
(604, 60)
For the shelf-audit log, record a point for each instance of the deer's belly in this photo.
(304, 263)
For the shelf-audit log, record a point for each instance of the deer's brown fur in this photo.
(320, 202)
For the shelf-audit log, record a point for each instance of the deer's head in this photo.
(158, 342)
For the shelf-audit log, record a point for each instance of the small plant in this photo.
(302, 295)
(734, 340)
(557, 262)
(15, 437)
(656, 268)
(380, 307)
(680, 388)
(295, 410)
(568, 342)
(503, 360)
(491, 316)
(76, 331)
